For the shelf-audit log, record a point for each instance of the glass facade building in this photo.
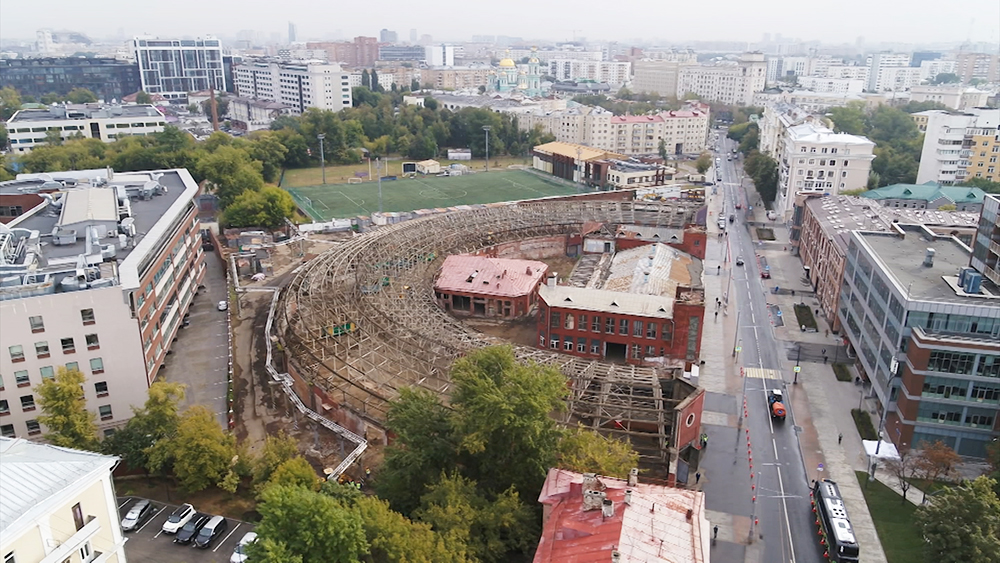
(174, 67)
(108, 78)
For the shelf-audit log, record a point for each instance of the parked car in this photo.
(739, 260)
(177, 519)
(223, 305)
(211, 530)
(136, 516)
(240, 553)
(191, 528)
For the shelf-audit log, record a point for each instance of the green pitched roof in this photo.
(927, 192)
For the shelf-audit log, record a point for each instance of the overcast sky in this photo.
(906, 21)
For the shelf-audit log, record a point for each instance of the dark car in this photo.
(211, 530)
(140, 512)
(191, 529)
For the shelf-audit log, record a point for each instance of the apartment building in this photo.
(401, 53)
(926, 328)
(659, 76)
(727, 82)
(960, 145)
(98, 279)
(455, 78)
(815, 159)
(982, 66)
(385, 80)
(880, 78)
(174, 67)
(300, 85)
(833, 85)
(615, 73)
(58, 505)
(577, 124)
(986, 244)
(247, 114)
(681, 131)
(955, 97)
(777, 118)
(28, 128)
(108, 78)
(440, 55)
(362, 52)
(930, 69)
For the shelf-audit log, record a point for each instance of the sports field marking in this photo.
(437, 194)
(356, 204)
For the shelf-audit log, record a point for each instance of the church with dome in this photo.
(523, 79)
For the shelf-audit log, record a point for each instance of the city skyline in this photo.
(921, 22)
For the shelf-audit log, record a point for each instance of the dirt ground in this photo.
(240, 506)
(522, 331)
(562, 265)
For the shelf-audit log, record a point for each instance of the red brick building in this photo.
(481, 286)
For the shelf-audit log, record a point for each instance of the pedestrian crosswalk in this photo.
(761, 373)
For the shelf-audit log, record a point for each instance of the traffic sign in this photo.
(819, 467)
(797, 369)
(739, 348)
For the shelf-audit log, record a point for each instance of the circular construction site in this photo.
(360, 322)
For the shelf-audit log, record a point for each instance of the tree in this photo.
(194, 108)
(277, 450)
(751, 140)
(51, 98)
(10, 102)
(376, 87)
(266, 148)
(904, 468)
(53, 137)
(366, 79)
(230, 171)
(764, 171)
(993, 459)
(81, 96)
(269, 208)
(946, 78)
(394, 538)
(64, 411)
(585, 451)
(313, 526)
(937, 461)
(414, 85)
(962, 524)
(267, 550)
(849, 119)
(703, 163)
(201, 452)
(295, 472)
(156, 420)
(983, 184)
(221, 106)
(661, 149)
(143, 98)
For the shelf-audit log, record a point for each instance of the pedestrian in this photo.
(718, 270)
(697, 477)
(715, 532)
(716, 315)
(840, 438)
(827, 331)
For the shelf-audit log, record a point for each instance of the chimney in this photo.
(929, 257)
(527, 271)
(592, 500)
(552, 279)
(607, 508)
(633, 477)
(628, 496)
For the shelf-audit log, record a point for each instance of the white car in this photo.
(178, 518)
(240, 553)
(223, 306)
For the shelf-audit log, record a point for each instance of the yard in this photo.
(299, 177)
(804, 316)
(842, 371)
(894, 522)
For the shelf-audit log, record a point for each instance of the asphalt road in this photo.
(786, 522)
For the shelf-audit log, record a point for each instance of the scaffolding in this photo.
(380, 286)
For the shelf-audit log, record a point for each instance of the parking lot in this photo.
(148, 543)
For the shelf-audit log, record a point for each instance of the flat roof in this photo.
(87, 205)
(72, 112)
(654, 269)
(465, 273)
(574, 150)
(928, 191)
(607, 301)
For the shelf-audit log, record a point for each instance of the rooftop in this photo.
(503, 277)
(929, 191)
(815, 133)
(651, 526)
(70, 112)
(263, 104)
(575, 151)
(607, 301)
(655, 269)
(31, 474)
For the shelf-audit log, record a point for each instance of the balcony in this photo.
(74, 542)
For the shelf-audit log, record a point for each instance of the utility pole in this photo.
(737, 335)
(322, 157)
(215, 111)
(378, 170)
(487, 128)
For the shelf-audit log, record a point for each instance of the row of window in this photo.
(582, 322)
(23, 379)
(42, 348)
(28, 402)
(568, 344)
(82, 128)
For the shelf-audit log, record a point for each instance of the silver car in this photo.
(240, 553)
(140, 512)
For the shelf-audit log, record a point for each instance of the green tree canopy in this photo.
(156, 420)
(585, 451)
(81, 96)
(962, 524)
(10, 102)
(946, 78)
(200, 451)
(231, 172)
(143, 97)
(295, 472)
(64, 411)
(394, 538)
(307, 524)
(983, 184)
(268, 208)
(703, 163)
(278, 448)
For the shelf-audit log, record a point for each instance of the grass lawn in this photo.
(842, 371)
(299, 177)
(863, 421)
(894, 522)
(804, 316)
(425, 192)
(929, 486)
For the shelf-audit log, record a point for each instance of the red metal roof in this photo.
(654, 527)
(502, 277)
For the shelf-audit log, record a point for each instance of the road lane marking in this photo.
(221, 543)
(788, 525)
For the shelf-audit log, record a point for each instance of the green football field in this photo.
(339, 201)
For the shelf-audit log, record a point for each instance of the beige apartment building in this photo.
(59, 505)
(660, 77)
(455, 78)
(728, 82)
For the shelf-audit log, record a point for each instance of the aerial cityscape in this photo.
(522, 283)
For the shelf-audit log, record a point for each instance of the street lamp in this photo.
(378, 170)
(322, 157)
(486, 130)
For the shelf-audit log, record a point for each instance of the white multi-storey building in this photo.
(545, 55)
(658, 76)
(930, 69)
(728, 82)
(174, 67)
(301, 85)
(954, 96)
(777, 118)
(97, 277)
(950, 144)
(853, 72)
(885, 72)
(58, 505)
(611, 72)
(815, 159)
(28, 128)
(385, 80)
(247, 114)
(832, 85)
(439, 55)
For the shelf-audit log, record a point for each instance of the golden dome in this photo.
(507, 63)
(533, 60)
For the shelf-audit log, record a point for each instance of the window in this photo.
(609, 325)
(569, 322)
(73, 366)
(581, 345)
(37, 325)
(636, 352)
(595, 324)
(554, 320)
(88, 316)
(595, 346)
(68, 346)
(96, 365)
(47, 372)
(7, 431)
(4, 407)
(77, 516)
(33, 427)
(42, 349)
(554, 342)
(623, 326)
(16, 353)
(637, 328)
(651, 330)
(92, 342)
(568, 344)
(28, 403)
(21, 378)
(105, 412)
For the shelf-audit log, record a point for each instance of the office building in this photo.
(439, 55)
(298, 85)
(98, 278)
(959, 146)
(386, 36)
(615, 73)
(109, 79)
(58, 505)
(401, 53)
(986, 245)
(729, 82)
(292, 33)
(660, 77)
(174, 67)
(926, 329)
(815, 159)
(28, 128)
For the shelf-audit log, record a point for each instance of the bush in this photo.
(864, 423)
(842, 371)
(804, 316)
